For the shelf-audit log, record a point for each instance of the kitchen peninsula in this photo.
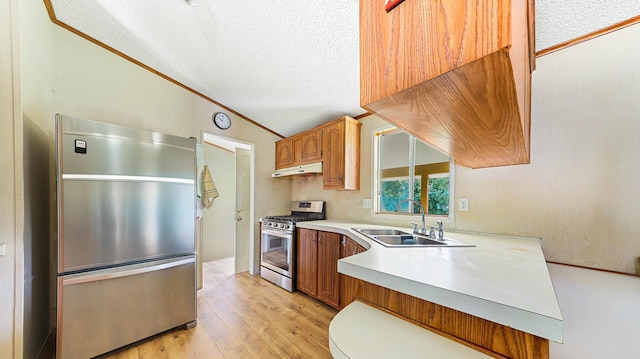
(501, 280)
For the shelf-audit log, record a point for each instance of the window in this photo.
(438, 194)
(395, 189)
(401, 159)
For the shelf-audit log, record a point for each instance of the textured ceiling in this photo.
(558, 21)
(287, 65)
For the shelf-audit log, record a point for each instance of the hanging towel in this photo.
(200, 165)
(209, 192)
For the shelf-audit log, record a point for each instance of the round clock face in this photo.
(222, 120)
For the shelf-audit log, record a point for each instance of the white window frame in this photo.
(375, 186)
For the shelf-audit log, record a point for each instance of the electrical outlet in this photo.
(366, 203)
(463, 204)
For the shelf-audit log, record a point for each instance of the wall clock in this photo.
(221, 120)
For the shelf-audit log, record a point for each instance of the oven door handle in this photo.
(277, 233)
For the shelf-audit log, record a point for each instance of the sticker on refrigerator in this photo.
(81, 146)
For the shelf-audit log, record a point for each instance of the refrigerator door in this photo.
(114, 222)
(102, 310)
(124, 195)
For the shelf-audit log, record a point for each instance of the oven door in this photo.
(277, 251)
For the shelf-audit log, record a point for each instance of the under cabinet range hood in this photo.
(311, 168)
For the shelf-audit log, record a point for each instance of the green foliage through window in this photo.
(394, 191)
(439, 195)
(401, 158)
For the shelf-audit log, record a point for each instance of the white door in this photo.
(243, 209)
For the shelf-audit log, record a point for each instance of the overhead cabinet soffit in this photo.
(455, 74)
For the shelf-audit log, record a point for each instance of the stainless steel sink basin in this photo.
(407, 240)
(390, 237)
(381, 231)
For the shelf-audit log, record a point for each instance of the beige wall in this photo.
(219, 225)
(59, 72)
(10, 187)
(580, 192)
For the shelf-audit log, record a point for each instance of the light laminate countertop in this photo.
(502, 279)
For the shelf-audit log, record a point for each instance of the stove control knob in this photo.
(266, 223)
(285, 226)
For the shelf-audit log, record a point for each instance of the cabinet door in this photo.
(333, 156)
(307, 266)
(284, 153)
(349, 247)
(328, 280)
(348, 285)
(297, 143)
(312, 146)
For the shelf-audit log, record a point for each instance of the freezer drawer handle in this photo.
(88, 177)
(117, 273)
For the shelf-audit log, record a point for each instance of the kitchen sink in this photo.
(407, 240)
(395, 238)
(381, 231)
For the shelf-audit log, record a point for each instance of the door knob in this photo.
(239, 219)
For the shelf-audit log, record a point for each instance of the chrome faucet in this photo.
(440, 229)
(422, 230)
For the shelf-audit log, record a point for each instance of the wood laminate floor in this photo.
(243, 316)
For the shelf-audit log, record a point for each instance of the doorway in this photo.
(224, 232)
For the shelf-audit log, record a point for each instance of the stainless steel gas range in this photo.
(278, 237)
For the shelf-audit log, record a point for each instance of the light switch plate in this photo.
(463, 204)
(366, 203)
(3, 249)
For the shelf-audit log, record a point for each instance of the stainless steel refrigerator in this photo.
(126, 235)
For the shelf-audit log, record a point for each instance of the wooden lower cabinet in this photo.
(491, 338)
(317, 276)
(307, 261)
(348, 285)
(349, 247)
(328, 256)
(317, 268)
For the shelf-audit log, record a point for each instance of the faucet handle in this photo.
(415, 227)
(432, 232)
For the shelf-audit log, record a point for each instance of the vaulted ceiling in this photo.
(286, 65)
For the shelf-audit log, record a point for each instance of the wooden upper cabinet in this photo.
(311, 150)
(297, 143)
(284, 153)
(335, 143)
(456, 74)
(341, 154)
(300, 149)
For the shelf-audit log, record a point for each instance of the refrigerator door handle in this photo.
(118, 272)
